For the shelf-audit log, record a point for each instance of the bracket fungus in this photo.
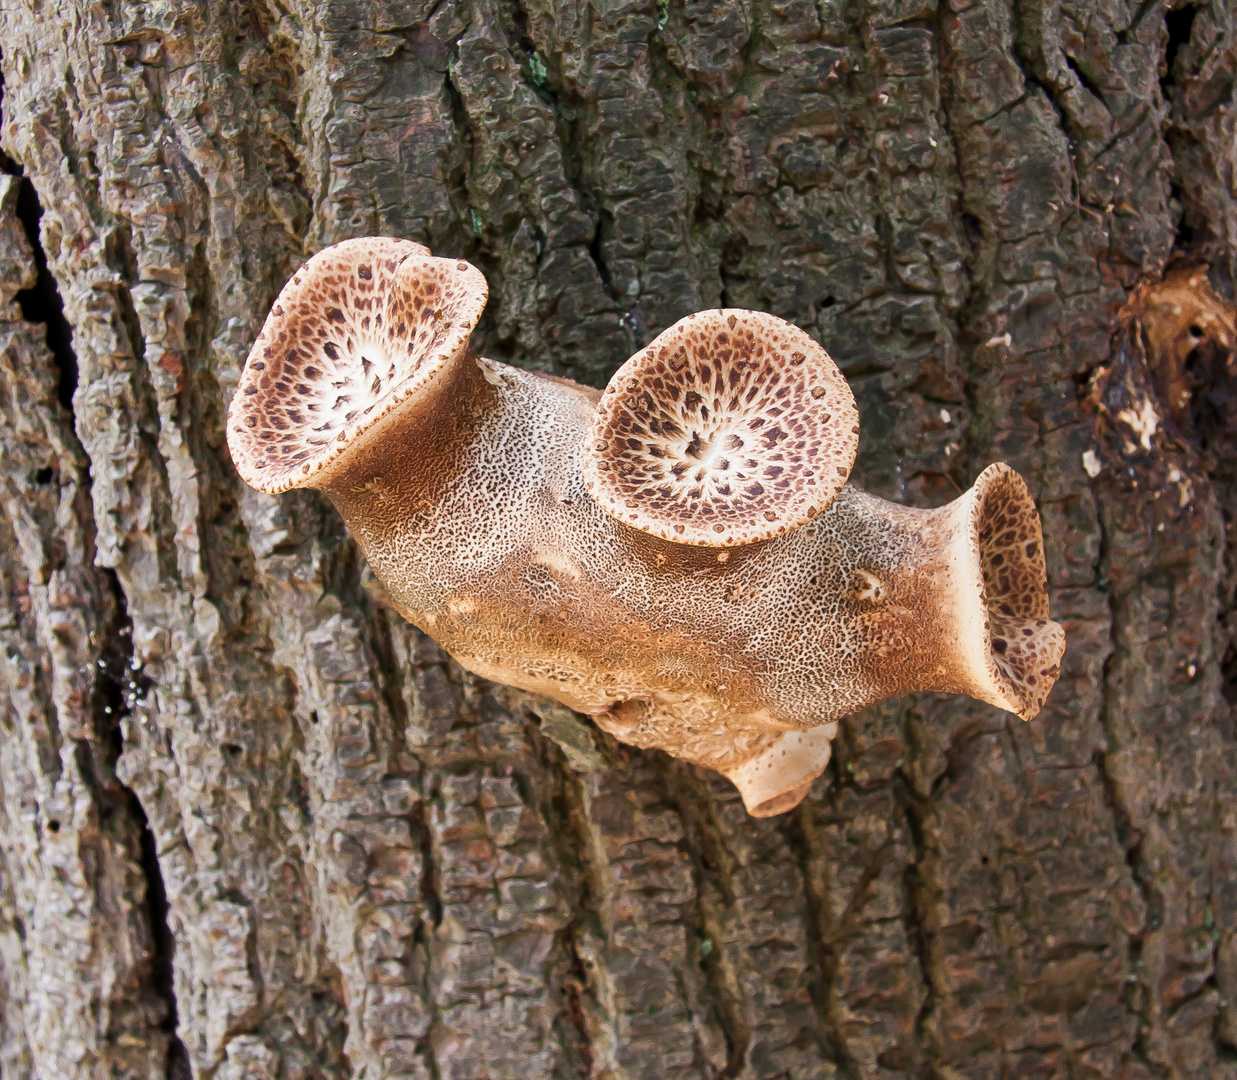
(679, 557)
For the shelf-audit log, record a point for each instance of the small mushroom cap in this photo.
(359, 329)
(731, 427)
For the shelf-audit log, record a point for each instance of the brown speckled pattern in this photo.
(471, 503)
(357, 330)
(711, 654)
(731, 427)
(1025, 645)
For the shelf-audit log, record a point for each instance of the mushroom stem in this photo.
(405, 465)
(951, 599)
(471, 508)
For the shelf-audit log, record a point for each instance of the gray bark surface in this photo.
(252, 825)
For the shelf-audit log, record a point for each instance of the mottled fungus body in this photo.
(679, 557)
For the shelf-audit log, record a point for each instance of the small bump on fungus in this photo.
(679, 557)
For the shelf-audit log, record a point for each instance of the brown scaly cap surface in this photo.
(359, 329)
(1024, 645)
(731, 427)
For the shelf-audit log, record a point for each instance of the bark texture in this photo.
(254, 826)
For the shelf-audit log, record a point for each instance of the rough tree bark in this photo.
(253, 825)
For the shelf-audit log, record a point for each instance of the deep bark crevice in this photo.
(919, 904)
(1122, 823)
(471, 227)
(970, 231)
(41, 304)
(429, 861)
(1180, 24)
(177, 1066)
(120, 686)
(568, 118)
(1084, 79)
(567, 815)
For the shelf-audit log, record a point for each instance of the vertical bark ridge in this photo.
(922, 928)
(647, 964)
(820, 935)
(855, 849)
(713, 873)
(64, 803)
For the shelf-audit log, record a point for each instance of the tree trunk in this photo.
(254, 825)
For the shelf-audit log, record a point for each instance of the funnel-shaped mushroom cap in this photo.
(358, 330)
(1021, 656)
(731, 427)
